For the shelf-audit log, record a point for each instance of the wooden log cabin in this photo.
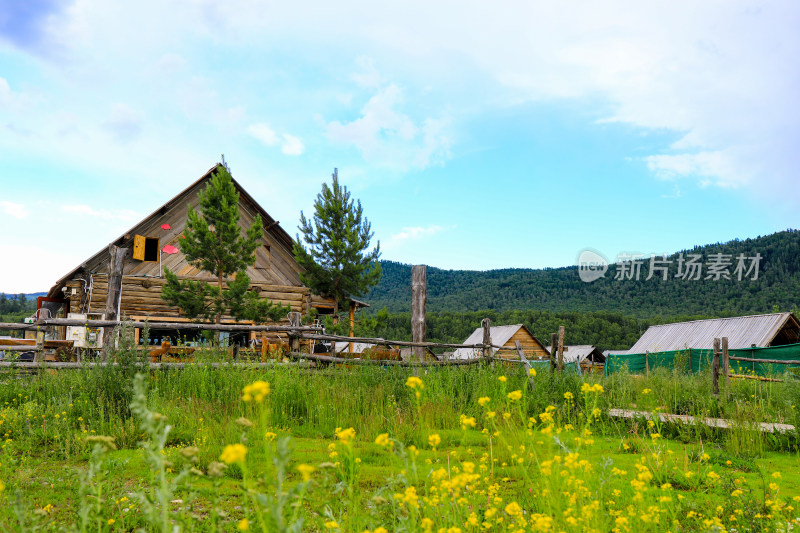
(505, 336)
(153, 245)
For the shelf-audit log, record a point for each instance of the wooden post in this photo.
(715, 368)
(486, 324)
(38, 355)
(646, 363)
(726, 374)
(561, 348)
(294, 338)
(526, 364)
(116, 262)
(419, 303)
(352, 325)
(553, 350)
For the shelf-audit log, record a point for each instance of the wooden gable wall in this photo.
(275, 273)
(530, 345)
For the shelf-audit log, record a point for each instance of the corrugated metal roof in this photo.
(500, 336)
(577, 352)
(742, 332)
(358, 347)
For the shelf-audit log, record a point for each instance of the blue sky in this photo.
(477, 135)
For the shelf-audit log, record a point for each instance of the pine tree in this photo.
(336, 260)
(213, 241)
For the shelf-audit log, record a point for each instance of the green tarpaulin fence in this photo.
(697, 360)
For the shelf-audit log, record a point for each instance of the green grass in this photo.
(46, 417)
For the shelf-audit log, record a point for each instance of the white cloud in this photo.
(412, 234)
(386, 136)
(85, 210)
(264, 133)
(13, 209)
(290, 145)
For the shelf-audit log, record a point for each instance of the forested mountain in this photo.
(561, 289)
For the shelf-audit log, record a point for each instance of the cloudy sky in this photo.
(477, 135)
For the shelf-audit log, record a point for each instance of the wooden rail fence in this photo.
(294, 331)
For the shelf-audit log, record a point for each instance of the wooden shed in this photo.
(153, 246)
(505, 336)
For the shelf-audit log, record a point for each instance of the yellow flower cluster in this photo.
(256, 391)
(514, 395)
(414, 382)
(586, 388)
(233, 453)
(346, 436)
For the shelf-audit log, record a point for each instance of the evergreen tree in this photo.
(213, 241)
(336, 261)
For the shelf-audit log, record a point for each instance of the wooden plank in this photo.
(560, 348)
(768, 427)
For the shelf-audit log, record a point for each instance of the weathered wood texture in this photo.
(560, 348)
(533, 349)
(553, 350)
(116, 262)
(486, 324)
(419, 303)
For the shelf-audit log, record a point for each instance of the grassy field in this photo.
(379, 449)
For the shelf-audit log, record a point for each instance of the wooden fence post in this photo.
(116, 262)
(419, 303)
(561, 348)
(647, 363)
(726, 374)
(486, 324)
(526, 364)
(38, 355)
(715, 368)
(553, 350)
(294, 337)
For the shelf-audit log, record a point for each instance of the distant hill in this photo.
(561, 289)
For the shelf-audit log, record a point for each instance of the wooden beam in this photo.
(561, 348)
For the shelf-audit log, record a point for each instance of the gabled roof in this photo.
(742, 332)
(579, 352)
(271, 225)
(500, 335)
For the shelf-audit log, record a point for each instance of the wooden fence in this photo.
(294, 331)
(721, 358)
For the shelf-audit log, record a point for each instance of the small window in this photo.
(145, 248)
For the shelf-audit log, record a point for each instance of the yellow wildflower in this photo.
(233, 453)
(513, 509)
(568, 396)
(483, 400)
(256, 391)
(383, 440)
(532, 372)
(243, 525)
(305, 471)
(514, 395)
(345, 435)
(332, 524)
(502, 379)
(111, 521)
(414, 382)
(269, 436)
(434, 440)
